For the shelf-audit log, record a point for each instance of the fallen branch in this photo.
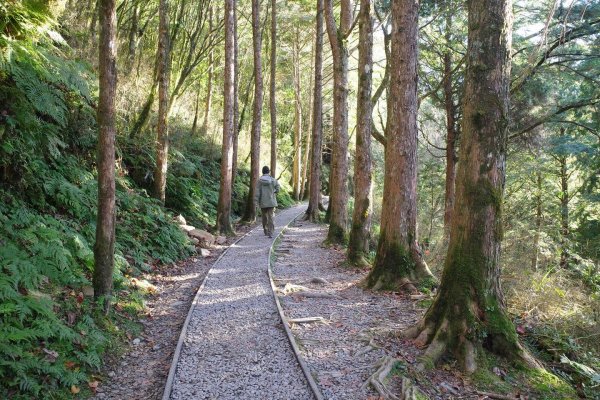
(317, 295)
(306, 320)
(496, 396)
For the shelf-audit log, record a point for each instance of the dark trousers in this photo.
(267, 220)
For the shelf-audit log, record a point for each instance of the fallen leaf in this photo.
(80, 297)
(70, 365)
(75, 389)
(93, 385)
(521, 330)
(71, 317)
(51, 355)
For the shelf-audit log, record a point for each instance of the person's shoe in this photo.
(270, 235)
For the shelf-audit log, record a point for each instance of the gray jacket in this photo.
(266, 189)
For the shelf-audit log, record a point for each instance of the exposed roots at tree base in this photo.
(401, 285)
(377, 380)
(466, 352)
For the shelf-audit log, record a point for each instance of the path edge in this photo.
(311, 381)
(173, 369)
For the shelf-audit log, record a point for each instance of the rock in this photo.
(111, 374)
(205, 238)
(87, 291)
(195, 241)
(204, 252)
(221, 240)
(187, 228)
(156, 347)
(137, 341)
(180, 220)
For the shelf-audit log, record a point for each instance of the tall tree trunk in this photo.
(467, 315)
(162, 142)
(308, 148)
(358, 247)
(306, 156)
(538, 220)
(272, 86)
(399, 262)
(196, 109)
(211, 67)
(338, 222)
(236, 104)
(104, 247)
(224, 205)
(297, 119)
(133, 35)
(451, 131)
(564, 210)
(312, 212)
(250, 214)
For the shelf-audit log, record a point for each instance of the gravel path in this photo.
(343, 349)
(235, 346)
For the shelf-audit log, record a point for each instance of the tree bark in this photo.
(538, 220)
(399, 262)
(236, 104)
(204, 129)
(451, 130)
(133, 35)
(297, 161)
(104, 247)
(224, 206)
(272, 86)
(338, 222)
(196, 110)
(250, 214)
(564, 209)
(162, 142)
(312, 212)
(467, 315)
(358, 247)
(308, 149)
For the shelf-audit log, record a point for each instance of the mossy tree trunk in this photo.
(104, 247)
(250, 213)
(338, 185)
(224, 205)
(399, 262)
(358, 246)
(312, 212)
(467, 315)
(162, 137)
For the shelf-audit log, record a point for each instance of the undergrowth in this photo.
(51, 340)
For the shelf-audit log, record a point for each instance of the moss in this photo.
(336, 235)
(486, 380)
(392, 264)
(547, 385)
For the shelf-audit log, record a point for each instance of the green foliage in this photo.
(47, 339)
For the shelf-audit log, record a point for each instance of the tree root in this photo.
(377, 379)
(410, 391)
(299, 290)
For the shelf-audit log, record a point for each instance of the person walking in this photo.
(266, 199)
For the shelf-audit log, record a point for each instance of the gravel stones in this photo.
(235, 346)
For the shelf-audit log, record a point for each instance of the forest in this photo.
(452, 148)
